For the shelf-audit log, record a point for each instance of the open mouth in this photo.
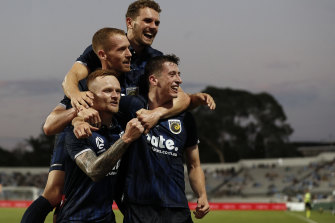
(127, 62)
(149, 35)
(175, 88)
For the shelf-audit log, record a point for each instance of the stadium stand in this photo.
(265, 180)
(269, 180)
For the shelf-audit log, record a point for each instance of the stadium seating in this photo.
(263, 180)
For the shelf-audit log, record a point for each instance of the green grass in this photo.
(13, 215)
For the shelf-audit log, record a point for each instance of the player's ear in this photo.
(102, 55)
(129, 23)
(153, 80)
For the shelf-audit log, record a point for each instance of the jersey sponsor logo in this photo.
(175, 126)
(100, 142)
(161, 142)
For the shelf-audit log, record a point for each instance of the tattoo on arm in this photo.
(96, 167)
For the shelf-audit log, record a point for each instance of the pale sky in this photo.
(283, 47)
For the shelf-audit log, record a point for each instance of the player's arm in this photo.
(96, 167)
(58, 119)
(70, 85)
(149, 118)
(200, 98)
(197, 180)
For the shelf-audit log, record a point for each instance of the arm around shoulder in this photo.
(58, 119)
(70, 86)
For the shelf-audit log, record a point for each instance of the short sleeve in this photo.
(74, 146)
(89, 59)
(191, 130)
(66, 102)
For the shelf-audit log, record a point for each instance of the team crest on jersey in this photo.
(100, 142)
(132, 91)
(175, 126)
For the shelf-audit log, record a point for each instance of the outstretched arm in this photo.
(197, 181)
(70, 85)
(96, 167)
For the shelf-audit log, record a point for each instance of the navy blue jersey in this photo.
(129, 82)
(153, 166)
(86, 200)
(132, 82)
(59, 155)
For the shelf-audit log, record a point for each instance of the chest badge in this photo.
(175, 126)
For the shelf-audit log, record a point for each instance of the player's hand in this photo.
(82, 100)
(82, 129)
(202, 208)
(134, 130)
(91, 116)
(148, 118)
(202, 99)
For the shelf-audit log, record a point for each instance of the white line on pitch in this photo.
(302, 217)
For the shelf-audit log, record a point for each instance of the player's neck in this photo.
(155, 100)
(105, 66)
(106, 118)
(139, 49)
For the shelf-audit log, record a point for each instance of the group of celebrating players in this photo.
(123, 132)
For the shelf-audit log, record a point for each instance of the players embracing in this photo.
(151, 174)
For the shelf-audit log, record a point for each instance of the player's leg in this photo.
(37, 211)
(308, 210)
(45, 203)
(54, 188)
(53, 191)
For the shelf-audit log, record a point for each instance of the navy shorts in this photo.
(59, 153)
(136, 213)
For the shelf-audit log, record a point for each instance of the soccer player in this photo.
(91, 171)
(119, 61)
(154, 189)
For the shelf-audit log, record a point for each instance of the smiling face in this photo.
(107, 91)
(167, 81)
(143, 29)
(116, 54)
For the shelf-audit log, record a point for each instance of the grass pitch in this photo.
(13, 215)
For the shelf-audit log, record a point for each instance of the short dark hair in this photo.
(134, 8)
(100, 73)
(155, 65)
(101, 37)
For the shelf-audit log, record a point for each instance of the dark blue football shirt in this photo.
(153, 165)
(132, 82)
(59, 154)
(87, 200)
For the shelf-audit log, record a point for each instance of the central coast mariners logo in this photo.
(175, 126)
(100, 142)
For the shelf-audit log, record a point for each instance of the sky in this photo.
(283, 47)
